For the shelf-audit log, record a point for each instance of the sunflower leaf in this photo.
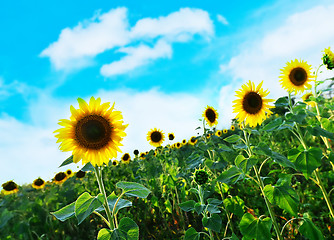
(232, 139)
(86, 204)
(191, 234)
(112, 198)
(132, 189)
(65, 213)
(309, 230)
(67, 161)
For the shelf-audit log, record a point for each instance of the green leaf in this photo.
(199, 208)
(282, 102)
(214, 222)
(86, 204)
(306, 161)
(232, 175)
(5, 217)
(245, 163)
(327, 124)
(191, 234)
(272, 125)
(133, 189)
(232, 139)
(234, 205)
(65, 213)
(67, 161)
(255, 228)
(282, 160)
(284, 196)
(112, 198)
(129, 229)
(188, 205)
(309, 230)
(88, 167)
(262, 149)
(104, 234)
(318, 131)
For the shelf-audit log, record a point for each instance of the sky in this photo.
(161, 62)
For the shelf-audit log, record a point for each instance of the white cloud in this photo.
(222, 19)
(76, 46)
(136, 57)
(177, 25)
(15, 87)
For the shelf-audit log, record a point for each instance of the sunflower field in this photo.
(269, 176)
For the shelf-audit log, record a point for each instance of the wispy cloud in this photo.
(222, 19)
(76, 47)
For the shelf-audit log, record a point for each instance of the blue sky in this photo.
(161, 62)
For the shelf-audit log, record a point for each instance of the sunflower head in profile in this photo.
(306, 99)
(60, 177)
(93, 133)
(210, 116)
(38, 183)
(193, 140)
(171, 136)
(250, 105)
(219, 133)
(225, 131)
(9, 187)
(136, 152)
(155, 137)
(328, 58)
(143, 155)
(126, 158)
(296, 76)
(80, 174)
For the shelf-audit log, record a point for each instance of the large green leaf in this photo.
(214, 222)
(232, 139)
(86, 204)
(191, 234)
(112, 198)
(234, 205)
(284, 196)
(318, 131)
(272, 125)
(5, 217)
(231, 176)
(282, 160)
(306, 161)
(129, 229)
(188, 205)
(67, 161)
(133, 189)
(245, 163)
(104, 234)
(65, 213)
(255, 228)
(309, 230)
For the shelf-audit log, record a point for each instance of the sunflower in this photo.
(225, 131)
(296, 75)
(93, 133)
(143, 155)
(210, 115)
(178, 145)
(38, 183)
(9, 187)
(80, 174)
(115, 163)
(241, 126)
(155, 137)
(184, 141)
(306, 99)
(251, 105)
(136, 152)
(60, 177)
(192, 140)
(171, 136)
(69, 173)
(232, 127)
(219, 133)
(126, 158)
(328, 58)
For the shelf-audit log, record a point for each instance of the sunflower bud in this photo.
(201, 177)
(328, 58)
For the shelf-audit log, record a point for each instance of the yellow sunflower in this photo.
(69, 173)
(192, 140)
(38, 183)
(184, 141)
(155, 137)
(126, 158)
(178, 145)
(296, 76)
(143, 155)
(219, 133)
(115, 163)
(306, 98)
(328, 58)
(210, 116)
(93, 133)
(60, 177)
(225, 131)
(171, 136)
(232, 127)
(80, 174)
(251, 104)
(9, 187)
(241, 126)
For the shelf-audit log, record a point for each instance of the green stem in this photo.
(201, 198)
(103, 218)
(98, 174)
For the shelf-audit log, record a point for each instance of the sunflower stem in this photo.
(98, 174)
(201, 197)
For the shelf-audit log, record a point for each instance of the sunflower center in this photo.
(39, 182)
(298, 76)
(80, 174)
(170, 136)
(210, 115)
(126, 157)
(9, 186)
(252, 103)
(156, 137)
(60, 176)
(192, 139)
(93, 132)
